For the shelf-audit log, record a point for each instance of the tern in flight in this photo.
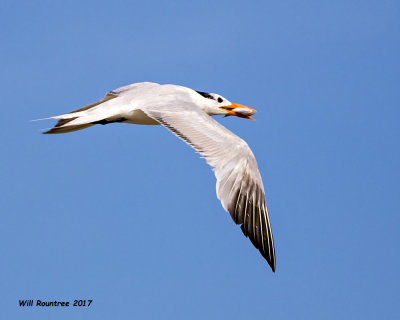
(186, 113)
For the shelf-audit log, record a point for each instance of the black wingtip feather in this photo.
(270, 260)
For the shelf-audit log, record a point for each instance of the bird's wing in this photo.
(239, 185)
(60, 125)
(108, 107)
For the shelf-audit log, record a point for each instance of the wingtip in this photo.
(271, 262)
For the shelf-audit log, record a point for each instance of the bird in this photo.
(187, 113)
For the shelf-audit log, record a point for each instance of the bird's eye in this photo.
(220, 100)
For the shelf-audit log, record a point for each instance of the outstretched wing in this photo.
(62, 124)
(239, 185)
(98, 112)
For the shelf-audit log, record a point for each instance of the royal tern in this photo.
(186, 113)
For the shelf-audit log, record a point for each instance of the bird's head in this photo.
(215, 104)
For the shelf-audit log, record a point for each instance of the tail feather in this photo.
(78, 119)
(63, 122)
(67, 129)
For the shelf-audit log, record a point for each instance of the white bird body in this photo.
(186, 113)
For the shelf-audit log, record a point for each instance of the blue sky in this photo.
(127, 215)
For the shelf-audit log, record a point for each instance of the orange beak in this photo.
(239, 110)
